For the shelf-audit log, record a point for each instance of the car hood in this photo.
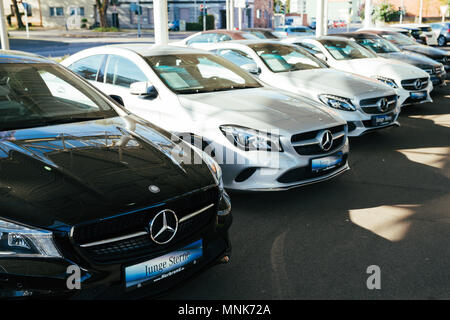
(426, 50)
(384, 67)
(58, 176)
(415, 59)
(262, 109)
(337, 82)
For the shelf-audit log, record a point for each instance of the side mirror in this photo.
(144, 89)
(252, 68)
(117, 99)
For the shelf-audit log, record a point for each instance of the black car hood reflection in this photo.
(426, 50)
(58, 176)
(411, 58)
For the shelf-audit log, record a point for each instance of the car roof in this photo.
(358, 35)
(154, 50)
(12, 56)
(333, 38)
(237, 34)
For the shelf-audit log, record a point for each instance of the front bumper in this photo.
(21, 277)
(268, 171)
(405, 98)
(360, 123)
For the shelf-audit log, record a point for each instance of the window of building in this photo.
(56, 11)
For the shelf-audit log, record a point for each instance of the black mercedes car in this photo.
(408, 44)
(388, 50)
(94, 201)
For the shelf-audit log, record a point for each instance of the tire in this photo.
(442, 41)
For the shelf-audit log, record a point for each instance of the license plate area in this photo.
(319, 165)
(382, 119)
(163, 267)
(420, 95)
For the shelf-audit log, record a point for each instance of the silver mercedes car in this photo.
(263, 138)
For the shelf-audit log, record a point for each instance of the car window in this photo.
(201, 38)
(33, 95)
(311, 48)
(122, 72)
(238, 57)
(284, 58)
(218, 37)
(378, 45)
(198, 73)
(88, 67)
(346, 50)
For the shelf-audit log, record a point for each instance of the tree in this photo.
(385, 12)
(102, 7)
(20, 24)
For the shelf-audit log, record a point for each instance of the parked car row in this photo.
(114, 165)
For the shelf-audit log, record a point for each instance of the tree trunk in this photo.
(102, 6)
(20, 24)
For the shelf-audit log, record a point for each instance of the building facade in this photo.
(83, 13)
(54, 13)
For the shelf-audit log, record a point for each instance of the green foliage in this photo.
(385, 12)
(209, 22)
(108, 29)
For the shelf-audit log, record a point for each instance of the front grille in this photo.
(308, 143)
(410, 84)
(138, 221)
(370, 106)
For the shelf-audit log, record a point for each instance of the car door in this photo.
(119, 74)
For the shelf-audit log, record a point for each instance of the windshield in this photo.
(198, 73)
(378, 45)
(263, 34)
(399, 39)
(284, 58)
(346, 50)
(33, 95)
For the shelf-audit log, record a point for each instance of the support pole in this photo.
(368, 14)
(3, 30)
(227, 14)
(160, 21)
(325, 17)
(401, 11)
(204, 15)
(420, 11)
(319, 18)
(240, 18)
(231, 14)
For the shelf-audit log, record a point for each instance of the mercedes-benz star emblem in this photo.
(326, 140)
(164, 226)
(418, 84)
(383, 104)
(154, 189)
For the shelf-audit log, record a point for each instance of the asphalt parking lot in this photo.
(391, 210)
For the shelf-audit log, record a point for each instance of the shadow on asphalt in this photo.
(315, 242)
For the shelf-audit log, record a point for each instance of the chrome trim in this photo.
(189, 216)
(96, 243)
(141, 233)
(314, 141)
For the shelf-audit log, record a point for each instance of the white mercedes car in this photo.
(411, 84)
(263, 138)
(365, 103)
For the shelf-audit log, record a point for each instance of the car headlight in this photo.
(389, 82)
(337, 102)
(18, 240)
(215, 169)
(250, 140)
